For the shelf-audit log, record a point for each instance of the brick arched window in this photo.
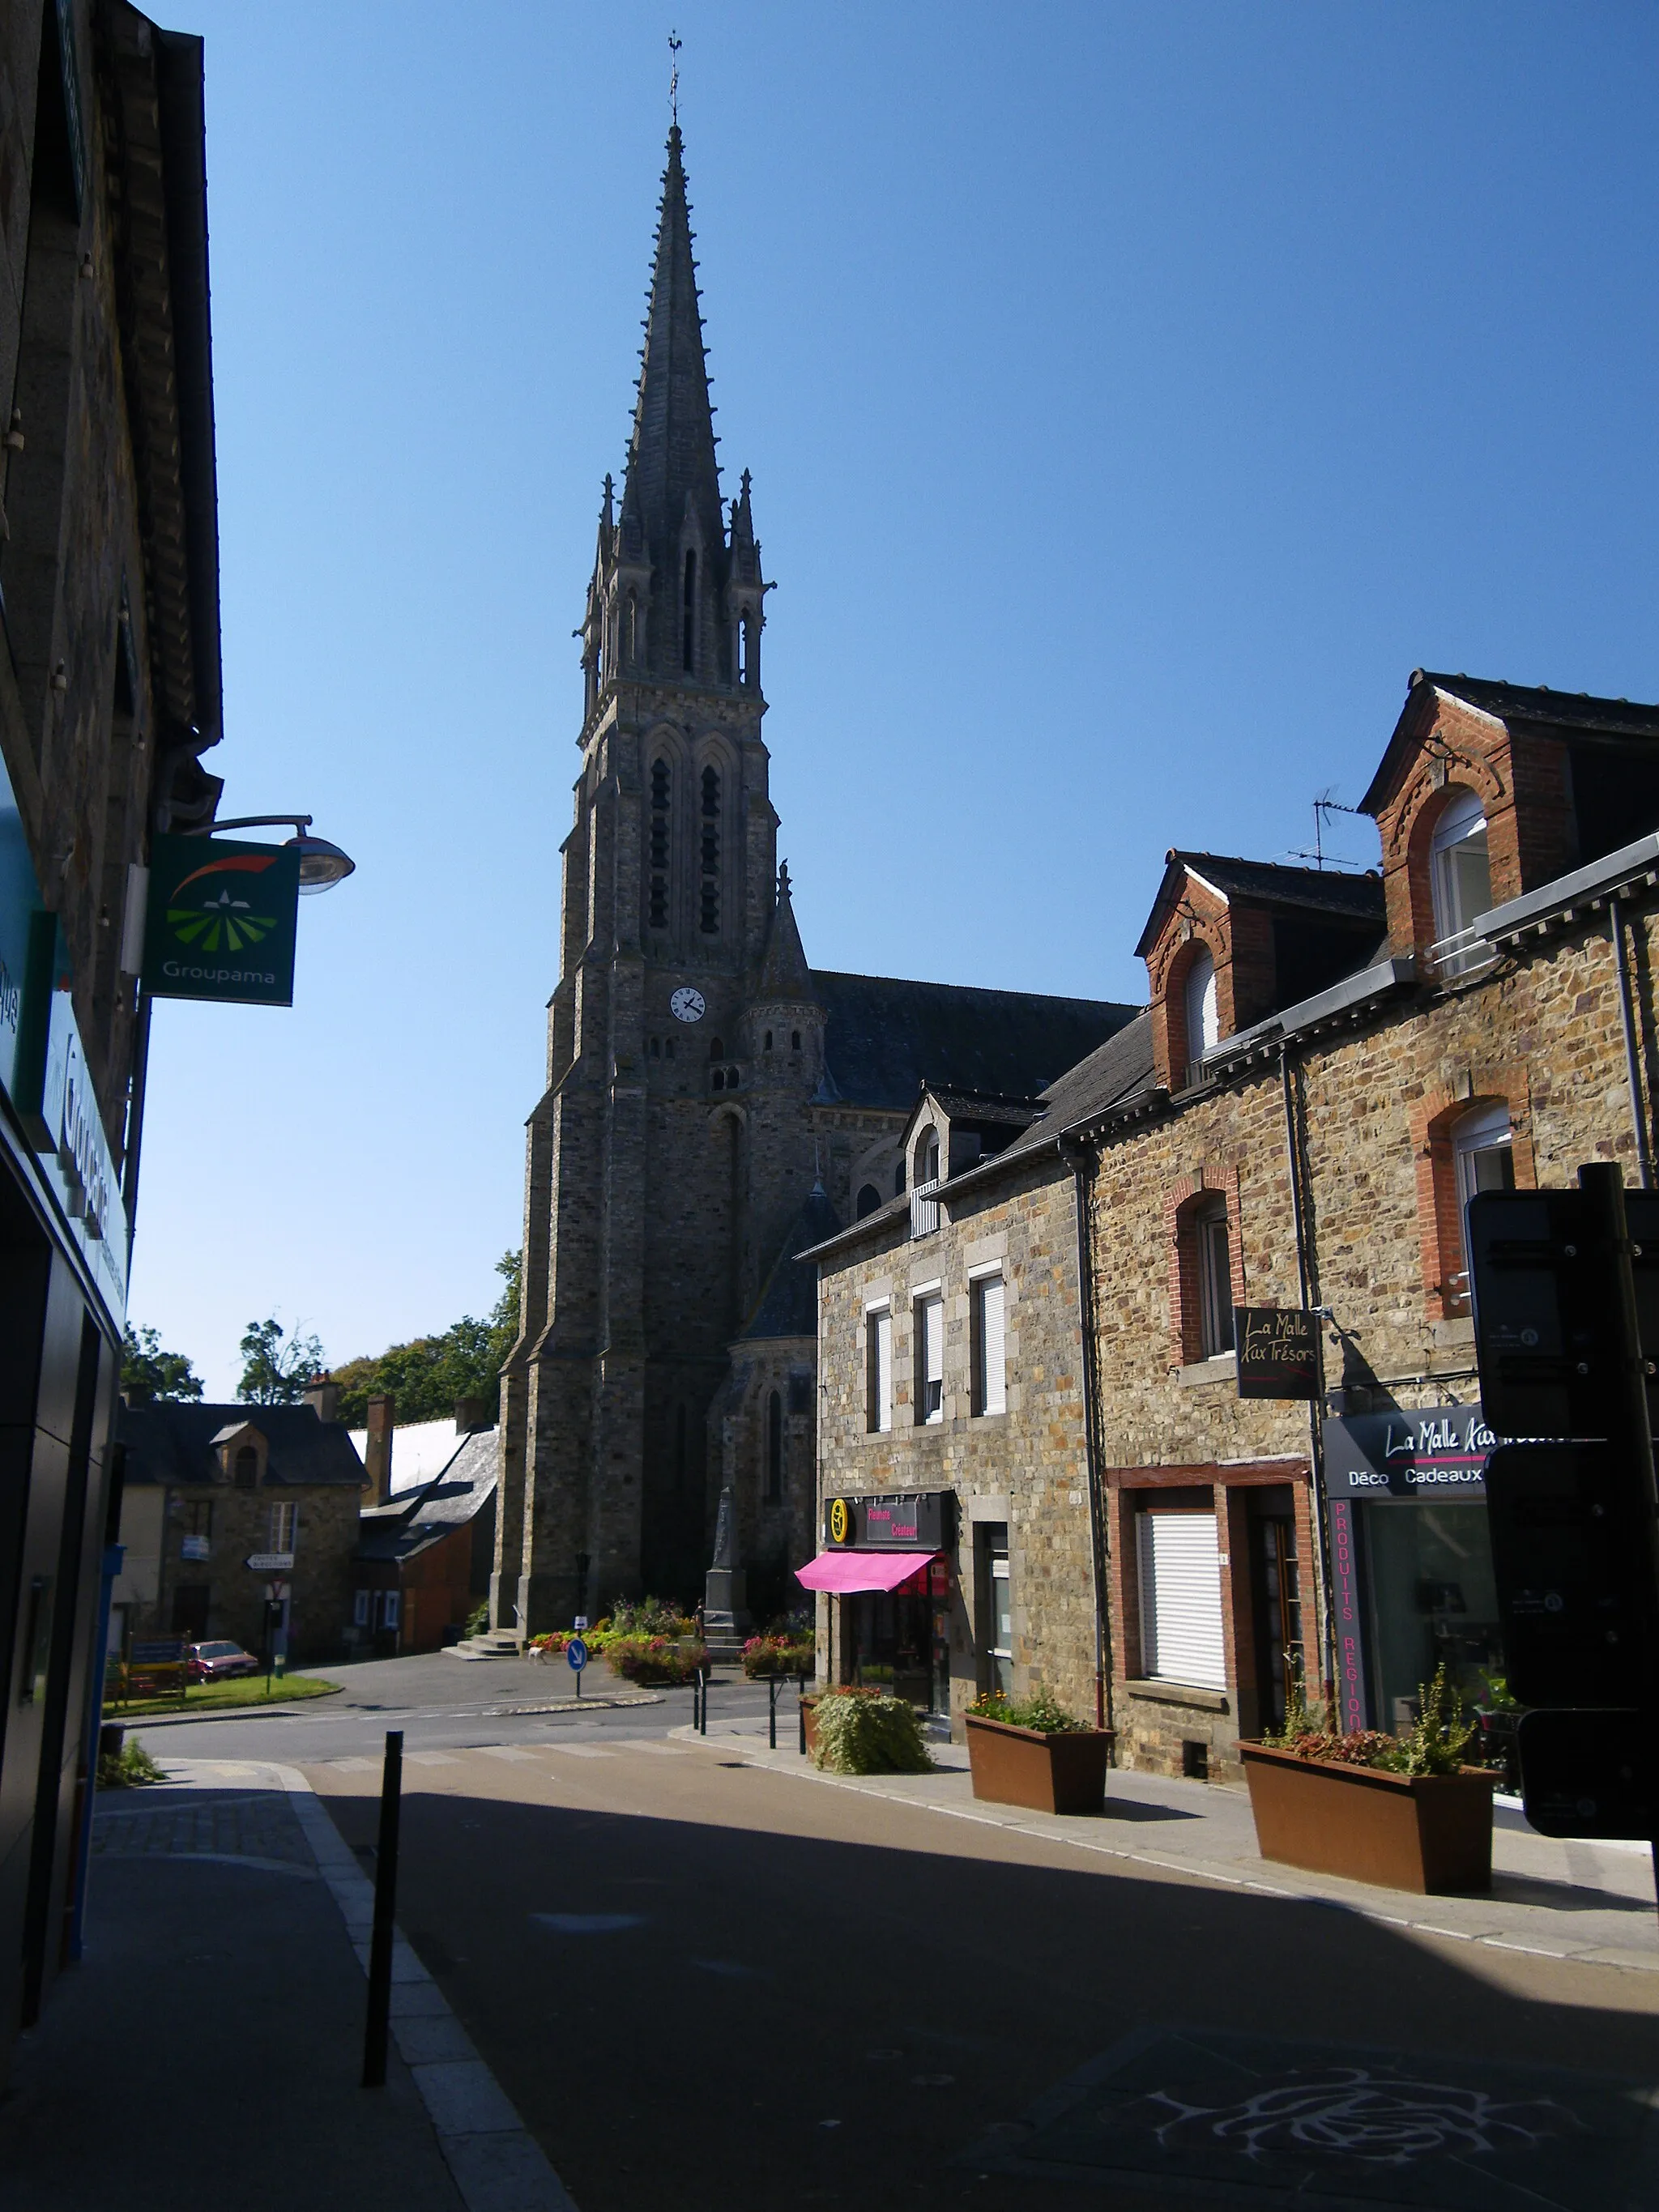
(1206, 1269)
(1479, 1141)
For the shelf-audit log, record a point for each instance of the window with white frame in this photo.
(359, 1606)
(1460, 872)
(878, 1369)
(284, 1527)
(389, 1606)
(1483, 1155)
(1203, 1008)
(990, 1362)
(1181, 1636)
(1215, 1279)
(930, 1357)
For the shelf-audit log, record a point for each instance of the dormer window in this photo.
(1459, 873)
(927, 1156)
(246, 1467)
(1203, 1009)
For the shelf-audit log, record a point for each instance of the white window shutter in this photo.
(884, 1327)
(993, 1380)
(932, 1340)
(1181, 1637)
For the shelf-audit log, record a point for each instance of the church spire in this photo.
(672, 473)
(784, 977)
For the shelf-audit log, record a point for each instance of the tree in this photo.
(147, 1371)
(429, 1373)
(275, 1373)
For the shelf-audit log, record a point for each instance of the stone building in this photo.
(109, 694)
(209, 1487)
(1329, 1067)
(706, 1087)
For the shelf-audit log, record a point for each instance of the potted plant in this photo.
(1032, 1752)
(1404, 1812)
(855, 1730)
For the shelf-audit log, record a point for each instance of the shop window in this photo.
(1215, 1279)
(1181, 1637)
(284, 1527)
(990, 1367)
(878, 1370)
(930, 1359)
(995, 1607)
(1203, 1010)
(360, 1605)
(773, 1449)
(1277, 1590)
(869, 1198)
(246, 1473)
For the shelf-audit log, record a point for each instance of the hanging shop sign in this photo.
(913, 1521)
(1277, 1351)
(220, 922)
(1436, 1451)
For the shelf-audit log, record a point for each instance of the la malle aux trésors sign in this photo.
(221, 920)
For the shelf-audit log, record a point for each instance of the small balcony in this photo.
(924, 1208)
(1459, 959)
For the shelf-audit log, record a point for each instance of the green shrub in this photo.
(132, 1768)
(655, 1661)
(778, 1655)
(648, 1616)
(477, 1621)
(1042, 1710)
(1439, 1736)
(869, 1732)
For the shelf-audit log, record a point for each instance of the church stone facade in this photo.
(713, 1105)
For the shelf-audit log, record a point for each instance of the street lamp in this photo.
(321, 865)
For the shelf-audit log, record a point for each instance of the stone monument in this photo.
(726, 1594)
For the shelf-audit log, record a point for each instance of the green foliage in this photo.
(275, 1373)
(429, 1373)
(789, 1655)
(654, 1659)
(647, 1616)
(147, 1371)
(1042, 1710)
(869, 1732)
(131, 1768)
(1439, 1736)
(479, 1619)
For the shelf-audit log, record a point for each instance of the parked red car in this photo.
(215, 1662)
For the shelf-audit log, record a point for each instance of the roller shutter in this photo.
(1180, 1628)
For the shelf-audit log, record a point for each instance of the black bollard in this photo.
(703, 1723)
(772, 1711)
(385, 1905)
(801, 1709)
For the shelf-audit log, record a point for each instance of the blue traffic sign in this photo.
(576, 1652)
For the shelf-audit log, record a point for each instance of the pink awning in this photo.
(861, 1571)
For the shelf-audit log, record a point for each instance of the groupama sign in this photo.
(221, 920)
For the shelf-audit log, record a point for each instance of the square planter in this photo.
(1430, 1834)
(1062, 1772)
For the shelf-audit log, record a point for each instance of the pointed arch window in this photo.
(709, 867)
(631, 630)
(662, 792)
(688, 655)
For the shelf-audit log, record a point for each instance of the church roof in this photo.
(885, 1036)
(671, 452)
(788, 1305)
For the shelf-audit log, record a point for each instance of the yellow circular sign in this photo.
(841, 1521)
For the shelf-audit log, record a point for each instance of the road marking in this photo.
(662, 1750)
(504, 1751)
(356, 1765)
(429, 1759)
(579, 1751)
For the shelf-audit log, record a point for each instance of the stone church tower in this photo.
(713, 1105)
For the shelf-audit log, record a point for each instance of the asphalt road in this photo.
(725, 1988)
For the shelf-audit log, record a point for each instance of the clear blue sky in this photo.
(1134, 396)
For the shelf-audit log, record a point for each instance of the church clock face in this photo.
(687, 1005)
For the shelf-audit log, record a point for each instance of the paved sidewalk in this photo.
(1586, 1901)
(209, 2048)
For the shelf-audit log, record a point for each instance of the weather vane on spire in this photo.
(674, 80)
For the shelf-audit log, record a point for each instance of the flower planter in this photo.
(1430, 1834)
(1064, 1772)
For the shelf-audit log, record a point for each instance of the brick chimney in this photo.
(323, 1396)
(470, 1415)
(377, 1448)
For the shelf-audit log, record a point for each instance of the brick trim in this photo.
(1433, 1117)
(1182, 1201)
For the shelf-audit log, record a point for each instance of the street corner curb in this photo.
(495, 2163)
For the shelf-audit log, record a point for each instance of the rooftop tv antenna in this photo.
(1326, 802)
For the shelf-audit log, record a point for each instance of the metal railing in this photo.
(924, 1208)
(1454, 959)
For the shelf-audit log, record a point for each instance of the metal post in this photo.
(702, 1718)
(385, 1904)
(800, 1708)
(772, 1712)
(696, 1696)
(1632, 1065)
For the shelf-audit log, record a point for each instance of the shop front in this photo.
(1411, 1560)
(885, 1566)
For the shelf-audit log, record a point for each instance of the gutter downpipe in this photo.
(1632, 1065)
(1316, 1404)
(1076, 1162)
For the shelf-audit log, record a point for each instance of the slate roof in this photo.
(453, 1499)
(1267, 883)
(167, 1442)
(789, 1304)
(1513, 702)
(885, 1036)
